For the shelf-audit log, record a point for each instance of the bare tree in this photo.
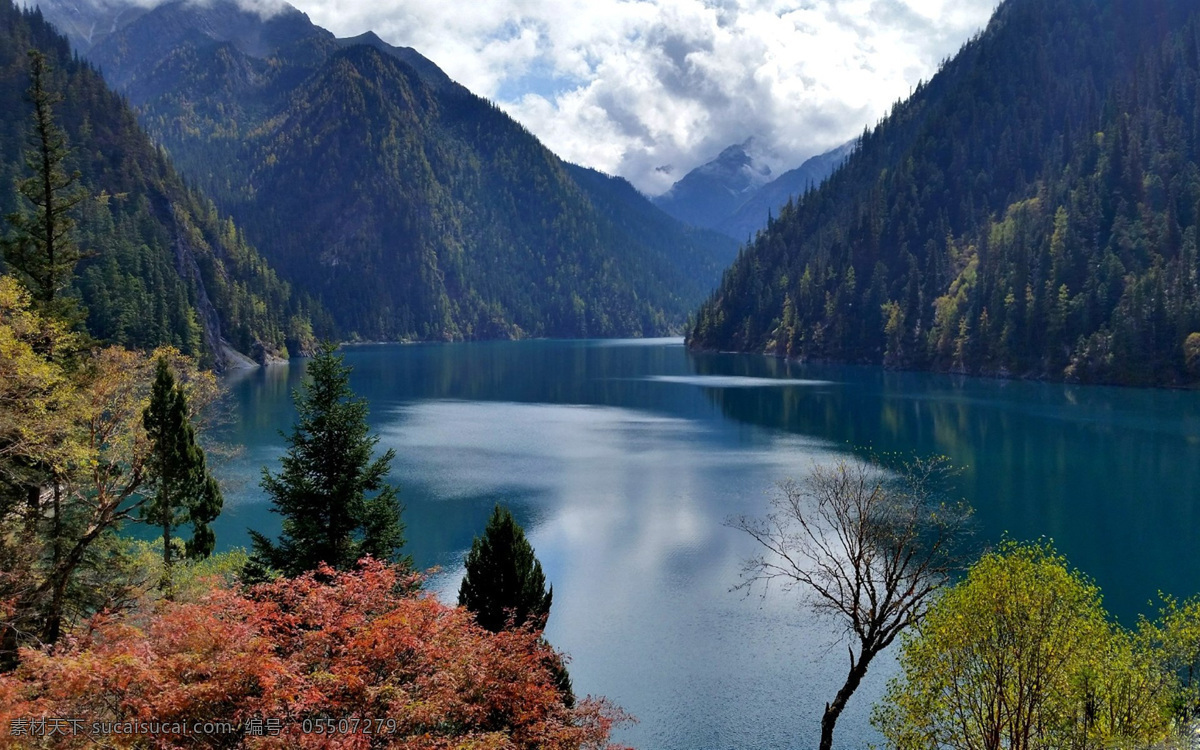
(868, 546)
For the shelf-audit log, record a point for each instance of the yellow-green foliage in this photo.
(1022, 656)
(73, 468)
(1191, 354)
(191, 579)
(1176, 638)
(35, 392)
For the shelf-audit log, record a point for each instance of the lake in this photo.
(623, 460)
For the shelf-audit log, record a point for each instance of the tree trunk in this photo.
(858, 669)
(33, 511)
(58, 525)
(8, 648)
(53, 626)
(52, 630)
(166, 583)
(166, 548)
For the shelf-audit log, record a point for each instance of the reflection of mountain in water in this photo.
(1107, 472)
(622, 460)
(1113, 475)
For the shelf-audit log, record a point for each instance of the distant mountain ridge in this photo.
(86, 23)
(751, 216)
(427, 69)
(736, 192)
(410, 207)
(716, 188)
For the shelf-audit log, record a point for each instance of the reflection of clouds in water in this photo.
(627, 521)
(465, 448)
(582, 455)
(609, 343)
(606, 479)
(734, 381)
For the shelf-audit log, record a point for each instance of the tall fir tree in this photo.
(183, 490)
(42, 247)
(42, 251)
(322, 488)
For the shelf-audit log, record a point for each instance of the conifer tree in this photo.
(203, 510)
(42, 248)
(184, 491)
(504, 585)
(322, 487)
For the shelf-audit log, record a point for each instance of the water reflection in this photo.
(735, 381)
(1112, 475)
(623, 459)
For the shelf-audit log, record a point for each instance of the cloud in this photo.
(649, 89)
(105, 12)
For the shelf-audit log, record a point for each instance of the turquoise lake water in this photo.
(623, 459)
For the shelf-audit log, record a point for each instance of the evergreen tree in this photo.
(504, 586)
(184, 491)
(323, 484)
(42, 248)
(203, 510)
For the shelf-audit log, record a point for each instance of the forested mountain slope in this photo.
(1030, 211)
(410, 207)
(167, 267)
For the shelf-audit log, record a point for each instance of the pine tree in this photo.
(323, 484)
(504, 587)
(184, 491)
(42, 248)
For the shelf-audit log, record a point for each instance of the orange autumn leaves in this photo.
(358, 645)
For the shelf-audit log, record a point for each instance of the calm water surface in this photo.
(624, 458)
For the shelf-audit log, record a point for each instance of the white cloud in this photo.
(627, 86)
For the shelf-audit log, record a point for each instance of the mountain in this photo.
(701, 253)
(735, 193)
(768, 200)
(429, 72)
(1030, 211)
(87, 22)
(409, 207)
(169, 268)
(714, 190)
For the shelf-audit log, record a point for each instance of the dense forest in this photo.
(410, 207)
(1031, 211)
(162, 265)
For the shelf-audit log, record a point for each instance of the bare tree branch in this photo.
(868, 546)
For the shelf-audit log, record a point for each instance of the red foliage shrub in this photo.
(345, 660)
